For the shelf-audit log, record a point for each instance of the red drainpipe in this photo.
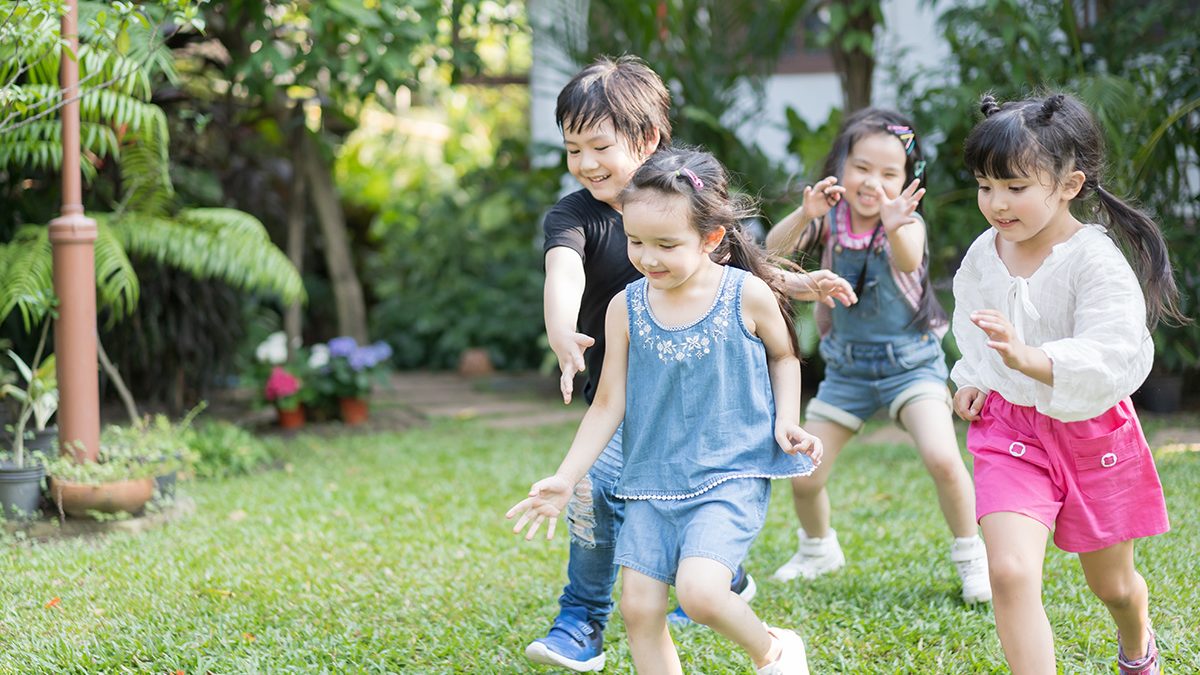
(73, 237)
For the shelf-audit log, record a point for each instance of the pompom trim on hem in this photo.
(719, 481)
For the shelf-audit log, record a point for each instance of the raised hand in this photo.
(793, 439)
(570, 361)
(968, 401)
(547, 499)
(820, 198)
(898, 212)
(1002, 337)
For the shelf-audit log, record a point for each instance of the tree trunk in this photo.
(347, 291)
(855, 67)
(295, 237)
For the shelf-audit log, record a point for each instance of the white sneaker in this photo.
(792, 658)
(816, 556)
(970, 557)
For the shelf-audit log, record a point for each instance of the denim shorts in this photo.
(719, 524)
(862, 377)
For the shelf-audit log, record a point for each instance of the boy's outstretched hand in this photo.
(570, 360)
(795, 440)
(547, 498)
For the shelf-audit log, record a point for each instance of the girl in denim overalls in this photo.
(702, 366)
(885, 351)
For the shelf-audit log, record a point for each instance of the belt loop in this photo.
(849, 353)
(890, 354)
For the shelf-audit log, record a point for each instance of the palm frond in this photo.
(26, 275)
(214, 243)
(117, 285)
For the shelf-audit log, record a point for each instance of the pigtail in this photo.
(1057, 134)
(1144, 240)
(1051, 105)
(738, 250)
(988, 105)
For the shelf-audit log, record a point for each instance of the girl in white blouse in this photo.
(1054, 332)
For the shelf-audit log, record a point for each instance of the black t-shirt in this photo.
(596, 232)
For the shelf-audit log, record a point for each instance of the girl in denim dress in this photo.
(885, 351)
(702, 367)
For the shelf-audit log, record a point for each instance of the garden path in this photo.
(502, 401)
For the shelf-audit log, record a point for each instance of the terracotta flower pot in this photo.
(354, 410)
(76, 499)
(290, 419)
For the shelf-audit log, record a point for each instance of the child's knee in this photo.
(638, 609)
(1010, 574)
(702, 601)
(1117, 590)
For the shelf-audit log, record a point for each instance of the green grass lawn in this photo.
(390, 553)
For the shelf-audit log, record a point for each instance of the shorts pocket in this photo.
(1109, 464)
(917, 353)
(833, 354)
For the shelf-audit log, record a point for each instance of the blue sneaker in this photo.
(570, 644)
(742, 584)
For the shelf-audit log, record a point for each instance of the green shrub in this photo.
(223, 449)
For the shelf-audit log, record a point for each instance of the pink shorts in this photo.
(1092, 482)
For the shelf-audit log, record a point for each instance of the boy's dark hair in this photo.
(1056, 135)
(870, 122)
(700, 178)
(625, 91)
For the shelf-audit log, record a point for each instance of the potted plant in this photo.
(22, 469)
(134, 464)
(285, 391)
(350, 374)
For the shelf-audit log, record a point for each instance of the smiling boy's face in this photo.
(602, 161)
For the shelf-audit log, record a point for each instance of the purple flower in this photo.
(362, 358)
(383, 351)
(342, 347)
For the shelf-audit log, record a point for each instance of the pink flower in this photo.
(280, 384)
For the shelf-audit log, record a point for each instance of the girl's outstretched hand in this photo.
(968, 401)
(1002, 337)
(547, 499)
(820, 198)
(898, 212)
(795, 440)
(828, 288)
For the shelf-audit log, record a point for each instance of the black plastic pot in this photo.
(20, 489)
(164, 486)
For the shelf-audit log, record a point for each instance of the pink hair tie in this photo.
(692, 177)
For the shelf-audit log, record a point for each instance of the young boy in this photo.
(613, 115)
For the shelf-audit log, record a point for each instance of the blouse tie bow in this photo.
(1021, 307)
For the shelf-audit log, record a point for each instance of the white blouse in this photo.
(1083, 307)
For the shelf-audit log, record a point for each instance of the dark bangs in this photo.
(624, 91)
(1002, 147)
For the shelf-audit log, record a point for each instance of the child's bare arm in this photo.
(764, 319)
(561, 298)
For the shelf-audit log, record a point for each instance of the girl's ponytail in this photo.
(1142, 238)
(738, 250)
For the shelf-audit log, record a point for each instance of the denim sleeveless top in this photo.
(698, 404)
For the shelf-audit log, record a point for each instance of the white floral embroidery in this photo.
(694, 346)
